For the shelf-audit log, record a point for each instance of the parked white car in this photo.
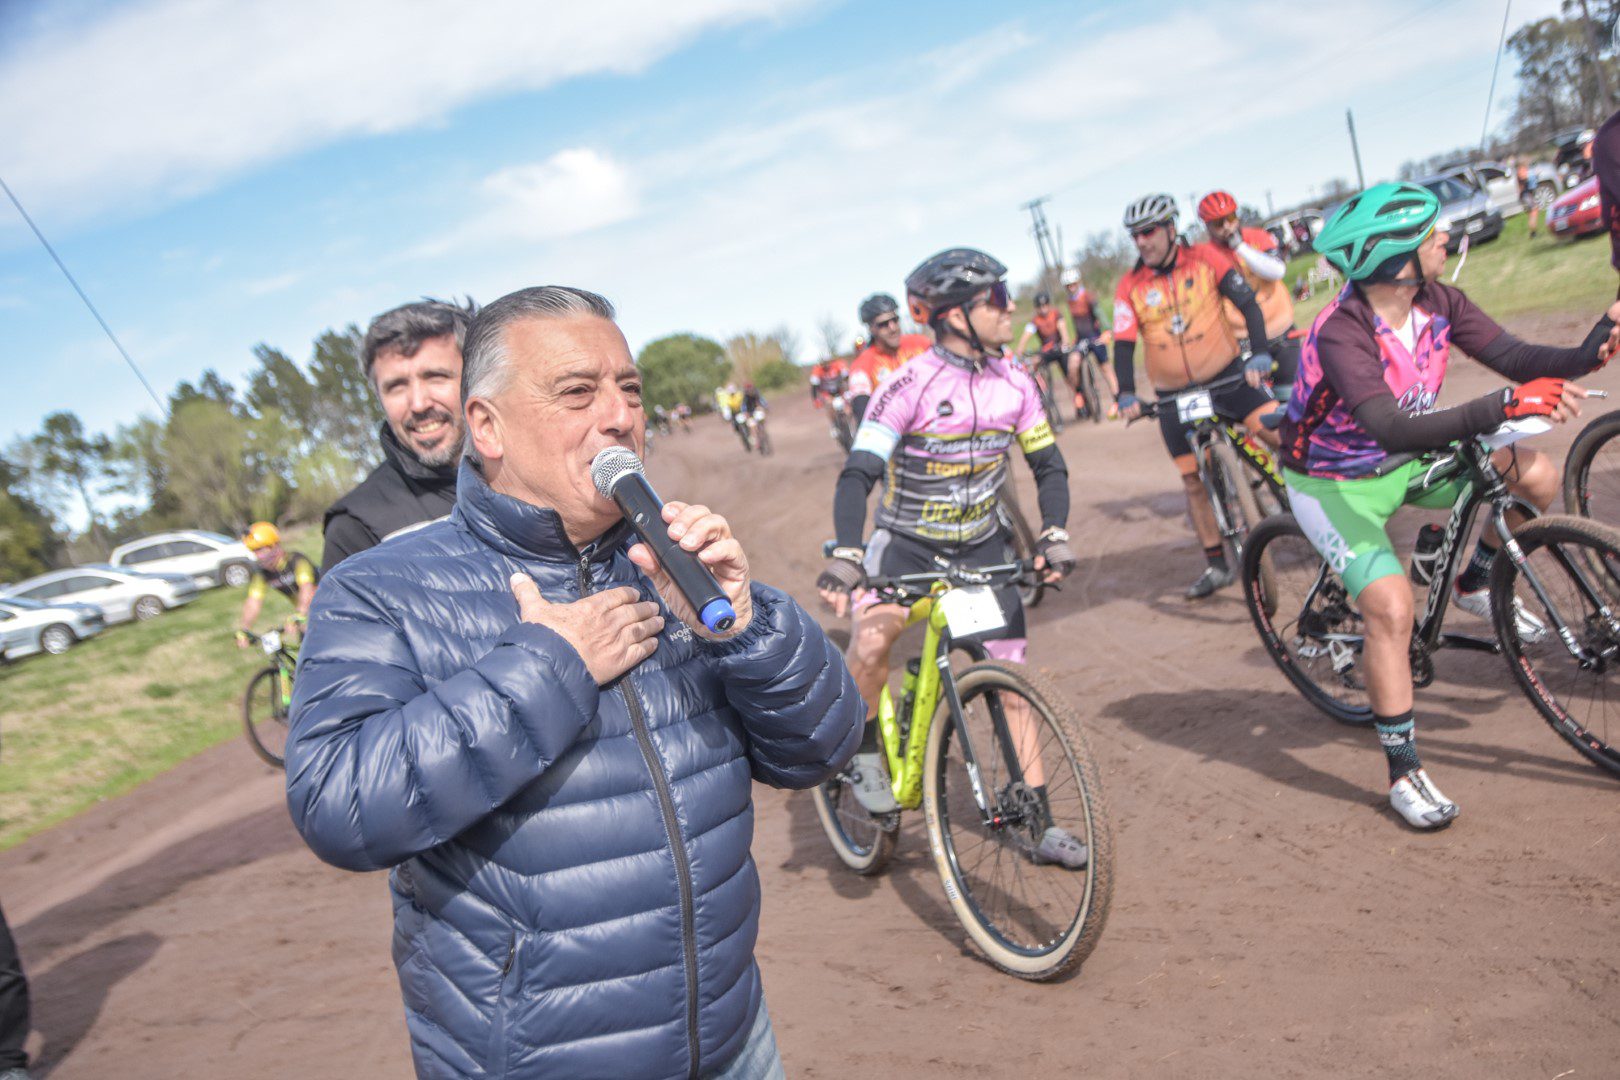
(207, 558)
(28, 626)
(120, 594)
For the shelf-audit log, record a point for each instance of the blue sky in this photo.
(219, 175)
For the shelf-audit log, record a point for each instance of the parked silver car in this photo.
(1465, 210)
(208, 558)
(28, 626)
(120, 594)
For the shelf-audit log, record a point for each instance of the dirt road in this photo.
(1271, 916)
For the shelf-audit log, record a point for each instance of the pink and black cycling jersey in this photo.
(1351, 356)
(943, 427)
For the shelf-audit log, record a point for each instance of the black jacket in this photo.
(400, 493)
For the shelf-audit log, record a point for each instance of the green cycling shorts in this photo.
(1345, 519)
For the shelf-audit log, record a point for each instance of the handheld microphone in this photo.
(617, 474)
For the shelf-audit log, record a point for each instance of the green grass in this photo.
(122, 707)
(1513, 275)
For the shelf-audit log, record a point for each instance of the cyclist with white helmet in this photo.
(1173, 305)
(1088, 334)
(1370, 374)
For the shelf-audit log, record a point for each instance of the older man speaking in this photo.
(516, 711)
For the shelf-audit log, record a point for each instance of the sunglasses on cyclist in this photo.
(1000, 298)
(1224, 223)
(886, 322)
(1146, 230)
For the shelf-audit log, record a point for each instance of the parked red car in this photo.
(1577, 212)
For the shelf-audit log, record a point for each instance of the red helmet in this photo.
(1216, 205)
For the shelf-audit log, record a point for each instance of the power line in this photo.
(60, 265)
(1485, 127)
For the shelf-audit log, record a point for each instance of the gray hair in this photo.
(486, 364)
(406, 328)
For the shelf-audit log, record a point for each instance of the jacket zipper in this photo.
(683, 867)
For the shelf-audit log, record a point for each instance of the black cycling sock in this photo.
(1477, 574)
(870, 737)
(1216, 556)
(1397, 735)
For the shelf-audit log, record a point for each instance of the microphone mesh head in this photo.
(610, 466)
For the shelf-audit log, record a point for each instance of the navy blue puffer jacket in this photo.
(573, 893)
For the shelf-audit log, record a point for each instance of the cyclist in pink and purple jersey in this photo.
(939, 432)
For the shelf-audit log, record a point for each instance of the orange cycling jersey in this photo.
(1272, 296)
(1049, 327)
(1177, 316)
(874, 362)
(1080, 303)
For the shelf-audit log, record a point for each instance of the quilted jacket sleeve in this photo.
(796, 698)
(380, 767)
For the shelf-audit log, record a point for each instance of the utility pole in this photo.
(1355, 148)
(1043, 239)
(1271, 207)
(1604, 100)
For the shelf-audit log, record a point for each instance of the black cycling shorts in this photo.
(889, 554)
(1233, 402)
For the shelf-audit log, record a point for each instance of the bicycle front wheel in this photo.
(1592, 471)
(1558, 619)
(1306, 619)
(1229, 488)
(862, 842)
(264, 717)
(1088, 387)
(988, 826)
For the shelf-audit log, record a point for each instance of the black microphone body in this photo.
(643, 509)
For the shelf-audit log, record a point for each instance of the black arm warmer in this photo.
(1400, 432)
(1522, 361)
(1235, 289)
(861, 474)
(1125, 365)
(1051, 485)
(857, 407)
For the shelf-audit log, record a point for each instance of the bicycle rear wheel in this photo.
(264, 717)
(862, 842)
(1033, 919)
(1568, 579)
(1306, 620)
(1592, 471)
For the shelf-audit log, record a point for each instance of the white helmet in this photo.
(1157, 209)
(1071, 277)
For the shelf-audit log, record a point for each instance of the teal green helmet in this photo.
(1377, 225)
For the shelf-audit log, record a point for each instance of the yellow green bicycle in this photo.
(995, 758)
(268, 700)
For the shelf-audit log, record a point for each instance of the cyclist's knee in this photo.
(1531, 475)
(1386, 606)
(1187, 465)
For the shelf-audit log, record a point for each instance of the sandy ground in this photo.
(1271, 917)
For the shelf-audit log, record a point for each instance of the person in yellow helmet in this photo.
(290, 573)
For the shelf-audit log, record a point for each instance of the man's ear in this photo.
(485, 426)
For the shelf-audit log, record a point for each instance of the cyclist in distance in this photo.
(1047, 325)
(1173, 303)
(939, 430)
(828, 380)
(889, 349)
(1370, 373)
(1254, 252)
(290, 573)
(1088, 334)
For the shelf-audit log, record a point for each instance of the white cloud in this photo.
(573, 191)
(274, 284)
(165, 98)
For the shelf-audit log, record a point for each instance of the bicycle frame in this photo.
(935, 678)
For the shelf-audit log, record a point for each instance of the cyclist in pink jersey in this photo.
(938, 431)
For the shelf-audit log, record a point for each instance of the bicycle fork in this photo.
(1511, 548)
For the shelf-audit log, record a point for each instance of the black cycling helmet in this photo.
(876, 306)
(949, 279)
(1042, 299)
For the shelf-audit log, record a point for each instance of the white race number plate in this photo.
(971, 610)
(1194, 406)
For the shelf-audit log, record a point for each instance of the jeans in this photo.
(758, 1059)
(14, 1004)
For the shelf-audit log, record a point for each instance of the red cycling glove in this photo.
(1538, 397)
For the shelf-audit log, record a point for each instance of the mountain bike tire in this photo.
(1277, 560)
(1577, 563)
(264, 717)
(1229, 486)
(862, 842)
(1584, 477)
(1089, 388)
(1044, 933)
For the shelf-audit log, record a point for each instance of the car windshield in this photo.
(1448, 189)
(23, 604)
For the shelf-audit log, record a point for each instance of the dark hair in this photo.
(404, 329)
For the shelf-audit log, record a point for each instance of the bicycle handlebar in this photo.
(902, 587)
(1151, 408)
